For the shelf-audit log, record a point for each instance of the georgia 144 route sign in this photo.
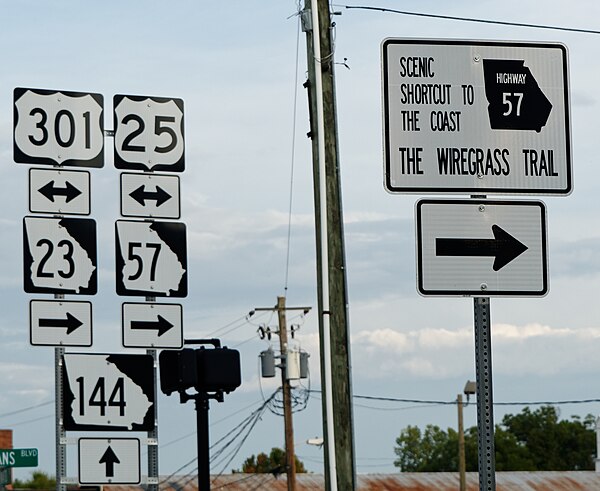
(476, 117)
(108, 392)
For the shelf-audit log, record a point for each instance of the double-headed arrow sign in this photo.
(141, 195)
(50, 191)
(59, 191)
(481, 248)
(150, 195)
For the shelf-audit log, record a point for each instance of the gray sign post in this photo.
(485, 403)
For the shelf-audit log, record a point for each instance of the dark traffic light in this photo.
(207, 370)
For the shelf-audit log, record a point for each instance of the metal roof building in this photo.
(409, 481)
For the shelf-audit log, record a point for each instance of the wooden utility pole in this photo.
(290, 459)
(340, 472)
(290, 455)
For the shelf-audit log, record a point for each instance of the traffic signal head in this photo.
(177, 370)
(218, 369)
(207, 370)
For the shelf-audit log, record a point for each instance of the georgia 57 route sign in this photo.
(58, 128)
(481, 248)
(151, 258)
(149, 133)
(108, 392)
(476, 117)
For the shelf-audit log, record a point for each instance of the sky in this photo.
(239, 68)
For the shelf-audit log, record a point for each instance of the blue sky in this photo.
(234, 66)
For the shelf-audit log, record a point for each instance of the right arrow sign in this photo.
(152, 325)
(481, 248)
(60, 323)
(503, 247)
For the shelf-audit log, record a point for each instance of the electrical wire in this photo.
(471, 19)
(32, 420)
(293, 154)
(241, 430)
(454, 402)
(19, 411)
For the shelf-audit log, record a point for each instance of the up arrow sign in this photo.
(110, 459)
(503, 247)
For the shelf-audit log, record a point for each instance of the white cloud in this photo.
(440, 353)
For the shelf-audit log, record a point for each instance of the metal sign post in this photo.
(61, 447)
(485, 405)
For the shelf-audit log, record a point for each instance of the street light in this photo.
(470, 388)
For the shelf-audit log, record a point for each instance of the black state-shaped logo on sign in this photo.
(515, 99)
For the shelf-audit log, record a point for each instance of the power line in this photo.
(19, 411)
(472, 19)
(293, 156)
(454, 402)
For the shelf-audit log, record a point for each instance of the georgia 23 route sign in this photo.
(59, 255)
(149, 133)
(55, 127)
(476, 117)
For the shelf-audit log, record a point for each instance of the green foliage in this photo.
(38, 480)
(431, 451)
(530, 441)
(274, 463)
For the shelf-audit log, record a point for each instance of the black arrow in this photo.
(110, 459)
(71, 323)
(161, 325)
(70, 192)
(503, 247)
(141, 195)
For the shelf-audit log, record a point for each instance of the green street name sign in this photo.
(18, 457)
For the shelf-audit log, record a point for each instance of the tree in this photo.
(274, 463)
(38, 480)
(553, 444)
(529, 441)
(433, 450)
